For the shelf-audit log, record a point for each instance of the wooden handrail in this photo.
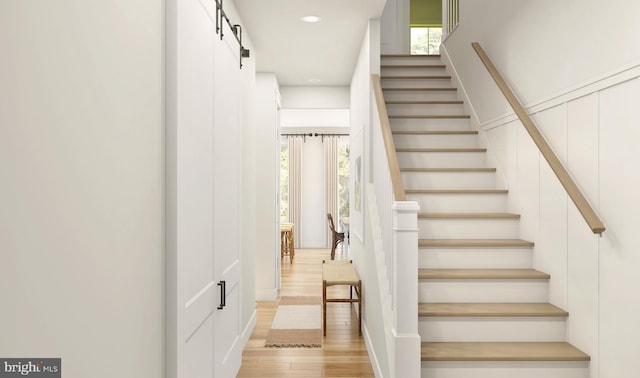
(385, 125)
(567, 182)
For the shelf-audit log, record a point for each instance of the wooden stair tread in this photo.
(555, 351)
(386, 66)
(468, 216)
(480, 169)
(443, 132)
(420, 89)
(441, 150)
(429, 116)
(481, 274)
(474, 243)
(416, 77)
(410, 55)
(490, 310)
(426, 102)
(457, 191)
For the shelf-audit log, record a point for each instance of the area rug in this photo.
(297, 323)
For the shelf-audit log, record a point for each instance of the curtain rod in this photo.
(304, 136)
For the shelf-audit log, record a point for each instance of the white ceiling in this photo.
(301, 53)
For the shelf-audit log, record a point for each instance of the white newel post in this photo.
(405, 290)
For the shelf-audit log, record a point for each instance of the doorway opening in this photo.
(314, 181)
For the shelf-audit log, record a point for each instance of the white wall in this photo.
(529, 40)
(581, 86)
(82, 185)
(315, 97)
(361, 242)
(314, 109)
(267, 168)
(314, 120)
(395, 33)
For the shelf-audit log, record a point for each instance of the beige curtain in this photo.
(295, 154)
(331, 200)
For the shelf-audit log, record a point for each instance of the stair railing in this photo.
(394, 167)
(450, 17)
(396, 221)
(589, 215)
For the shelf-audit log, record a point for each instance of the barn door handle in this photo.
(223, 294)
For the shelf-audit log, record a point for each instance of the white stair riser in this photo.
(420, 95)
(459, 203)
(449, 180)
(418, 109)
(413, 71)
(475, 258)
(441, 124)
(417, 83)
(492, 329)
(479, 291)
(505, 369)
(435, 140)
(468, 228)
(410, 60)
(441, 159)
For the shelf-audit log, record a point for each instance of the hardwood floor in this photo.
(343, 353)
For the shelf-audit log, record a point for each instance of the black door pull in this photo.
(223, 294)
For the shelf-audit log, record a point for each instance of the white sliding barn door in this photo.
(192, 294)
(227, 206)
(203, 194)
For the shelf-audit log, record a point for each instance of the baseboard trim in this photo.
(375, 364)
(248, 330)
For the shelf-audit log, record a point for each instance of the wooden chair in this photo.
(337, 237)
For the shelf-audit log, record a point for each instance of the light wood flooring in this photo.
(343, 353)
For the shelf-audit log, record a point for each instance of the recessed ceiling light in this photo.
(311, 19)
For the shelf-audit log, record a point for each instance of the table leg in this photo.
(324, 307)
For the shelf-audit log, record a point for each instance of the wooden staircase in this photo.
(483, 310)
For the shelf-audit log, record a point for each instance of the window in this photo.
(426, 40)
(284, 182)
(342, 187)
(343, 178)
